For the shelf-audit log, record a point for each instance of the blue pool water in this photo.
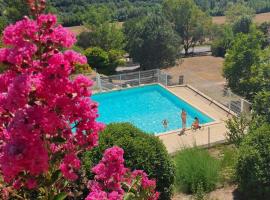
(146, 107)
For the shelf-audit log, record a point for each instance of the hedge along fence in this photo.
(142, 151)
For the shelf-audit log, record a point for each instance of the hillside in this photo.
(74, 12)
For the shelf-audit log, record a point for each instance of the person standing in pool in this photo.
(184, 121)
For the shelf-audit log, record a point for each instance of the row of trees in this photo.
(245, 47)
(75, 14)
(153, 40)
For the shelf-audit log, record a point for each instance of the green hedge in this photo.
(196, 171)
(142, 151)
(253, 164)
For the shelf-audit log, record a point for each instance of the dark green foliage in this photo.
(222, 42)
(253, 163)
(264, 28)
(152, 42)
(261, 104)
(196, 170)
(106, 36)
(244, 53)
(104, 62)
(142, 151)
(242, 25)
(218, 48)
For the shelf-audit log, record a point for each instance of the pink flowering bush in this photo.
(47, 120)
(112, 180)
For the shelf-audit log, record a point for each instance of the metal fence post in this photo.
(158, 75)
(121, 80)
(139, 77)
(242, 106)
(208, 137)
(99, 82)
(166, 80)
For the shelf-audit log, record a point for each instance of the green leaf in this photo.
(60, 196)
(56, 175)
(129, 196)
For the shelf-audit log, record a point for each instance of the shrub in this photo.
(196, 171)
(97, 58)
(253, 163)
(217, 48)
(105, 62)
(142, 151)
(237, 128)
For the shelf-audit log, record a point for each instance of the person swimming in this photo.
(165, 123)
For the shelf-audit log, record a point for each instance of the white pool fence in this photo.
(127, 80)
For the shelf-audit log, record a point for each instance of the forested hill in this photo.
(75, 12)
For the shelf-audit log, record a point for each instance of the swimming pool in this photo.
(146, 107)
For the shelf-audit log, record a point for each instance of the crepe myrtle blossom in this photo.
(39, 102)
(47, 119)
(112, 179)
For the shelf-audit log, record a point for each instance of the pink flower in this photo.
(63, 37)
(5, 194)
(23, 155)
(111, 169)
(97, 195)
(31, 184)
(17, 184)
(46, 118)
(75, 58)
(21, 32)
(46, 21)
(69, 165)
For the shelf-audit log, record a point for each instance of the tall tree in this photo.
(152, 42)
(189, 21)
(106, 36)
(235, 12)
(241, 57)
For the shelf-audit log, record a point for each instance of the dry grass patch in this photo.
(259, 18)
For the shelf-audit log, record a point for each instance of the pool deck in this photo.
(201, 138)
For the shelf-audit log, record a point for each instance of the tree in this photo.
(261, 105)
(242, 25)
(236, 11)
(97, 15)
(15, 10)
(244, 53)
(104, 62)
(252, 168)
(223, 41)
(106, 36)
(189, 21)
(152, 42)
